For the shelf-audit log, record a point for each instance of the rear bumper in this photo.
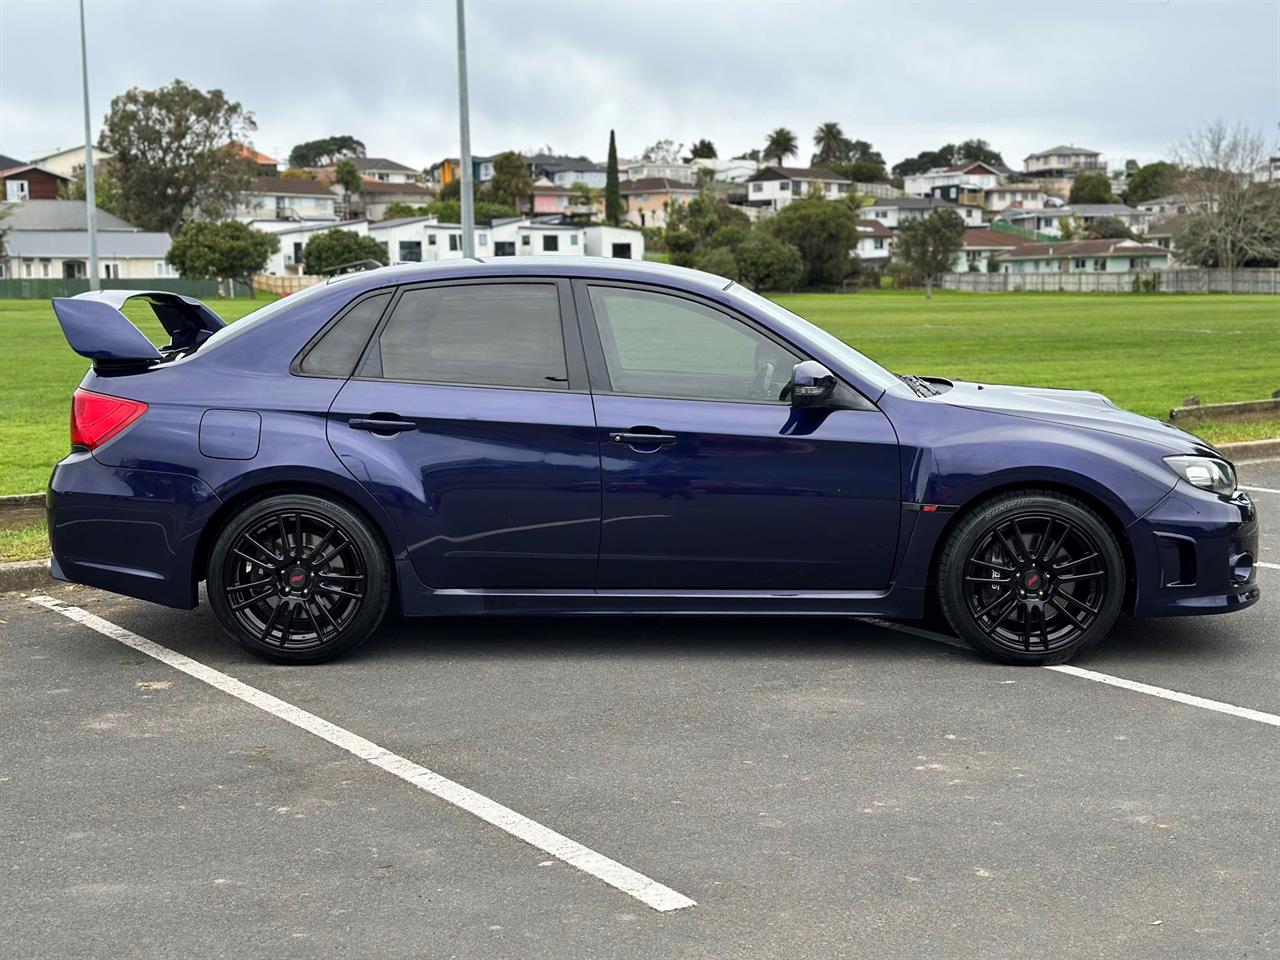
(1196, 553)
(133, 532)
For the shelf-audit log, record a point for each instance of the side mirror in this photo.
(812, 384)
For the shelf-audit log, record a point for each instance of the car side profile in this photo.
(579, 435)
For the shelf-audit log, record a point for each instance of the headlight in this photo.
(1205, 473)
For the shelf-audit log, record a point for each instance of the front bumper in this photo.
(1195, 553)
(129, 531)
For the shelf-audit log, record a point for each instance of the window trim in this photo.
(575, 363)
(852, 398)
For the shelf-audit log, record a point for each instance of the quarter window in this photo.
(336, 353)
(505, 335)
(656, 345)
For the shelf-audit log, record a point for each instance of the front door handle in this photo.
(385, 426)
(642, 437)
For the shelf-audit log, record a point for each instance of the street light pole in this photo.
(91, 208)
(464, 120)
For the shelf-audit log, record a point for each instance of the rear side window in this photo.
(336, 353)
(506, 335)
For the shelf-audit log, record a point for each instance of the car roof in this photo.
(595, 268)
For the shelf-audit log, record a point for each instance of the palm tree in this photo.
(829, 139)
(780, 145)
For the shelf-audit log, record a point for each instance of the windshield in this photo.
(865, 367)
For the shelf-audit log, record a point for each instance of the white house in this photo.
(644, 170)
(619, 242)
(566, 171)
(69, 163)
(1170, 206)
(1063, 161)
(294, 235)
(1084, 256)
(726, 171)
(974, 174)
(774, 187)
(1007, 195)
(874, 243)
(386, 171)
(48, 239)
(891, 213)
(284, 198)
(1049, 220)
(980, 244)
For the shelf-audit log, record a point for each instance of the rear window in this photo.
(505, 334)
(336, 353)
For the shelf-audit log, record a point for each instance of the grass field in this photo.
(1145, 352)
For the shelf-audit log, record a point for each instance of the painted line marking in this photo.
(1259, 489)
(648, 891)
(1163, 693)
(1269, 566)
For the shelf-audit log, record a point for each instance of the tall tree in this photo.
(511, 184)
(1091, 188)
(1153, 180)
(781, 144)
(612, 189)
(832, 147)
(979, 151)
(929, 246)
(325, 151)
(702, 150)
(347, 175)
(333, 248)
(175, 154)
(664, 151)
(213, 250)
(1235, 221)
(824, 231)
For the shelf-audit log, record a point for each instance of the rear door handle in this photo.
(642, 438)
(379, 425)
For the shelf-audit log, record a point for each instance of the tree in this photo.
(176, 155)
(450, 211)
(753, 155)
(929, 246)
(612, 190)
(690, 226)
(977, 151)
(347, 175)
(1153, 180)
(583, 195)
(296, 173)
(825, 233)
(947, 155)
(664, 151)
(1091, 188)
(511, 182)
(780, 145)
(720, 261)
(324, 152)
(333, 248)
(1109, 228)
(832, 145)
(106, 189)
(211, 250)
(702, 150)
(767, 263)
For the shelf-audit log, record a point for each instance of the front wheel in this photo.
(298, 579)
(1032, 577)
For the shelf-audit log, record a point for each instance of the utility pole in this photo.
(90, 205)
(464, 120)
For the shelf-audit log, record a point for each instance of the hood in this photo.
(1079, 408)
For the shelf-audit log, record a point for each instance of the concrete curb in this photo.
(25, 575)
(1249, 450)
(22, 500)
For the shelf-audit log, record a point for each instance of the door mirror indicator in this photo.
(812, 384)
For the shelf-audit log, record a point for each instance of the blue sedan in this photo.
(540, 435)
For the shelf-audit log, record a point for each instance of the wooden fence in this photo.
(1159, 281)
(284, 285)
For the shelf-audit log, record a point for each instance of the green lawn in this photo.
(1145, 352)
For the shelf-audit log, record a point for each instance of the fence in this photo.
(1161, 281)
(20, 288)
(284, 285)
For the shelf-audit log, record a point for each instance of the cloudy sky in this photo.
(1125, 78)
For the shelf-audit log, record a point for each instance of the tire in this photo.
(1033, 577)
(299, 579)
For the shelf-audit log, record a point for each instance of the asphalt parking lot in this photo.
(818, 788)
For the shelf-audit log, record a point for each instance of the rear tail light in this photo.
(96, 418)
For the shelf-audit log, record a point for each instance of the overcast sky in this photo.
(1124, 78)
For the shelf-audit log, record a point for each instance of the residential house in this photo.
(649, 201)
(284, 198)
(725, 171)
(1085, 214)
(1050, 220)
(1062, 161)
(266, 166)
(961, 194)
(1268, 171)
(617, 242)
(1084, 256)
(49, 239)
(645, 170)
(548, 198)
(1043, 220)
(26, 181)
(450, 169)
(1172, 205)
(973, 174)
(1007, 195)
(772, 188)
(566, 171)
(875, 242)
(424, 239)
(376, 196)
(293, 236)
(387, 171)
(892, 212)
(69, 163)
(981, 244)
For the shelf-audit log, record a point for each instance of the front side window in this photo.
(500, 334)
(657, 345)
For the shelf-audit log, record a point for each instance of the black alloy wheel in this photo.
(1032, 578)
(298, 579)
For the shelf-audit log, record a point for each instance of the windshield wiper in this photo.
(922, 387)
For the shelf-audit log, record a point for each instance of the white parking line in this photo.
(644, 889)
(1258, 489)
(1269, 566)
(1176, 696)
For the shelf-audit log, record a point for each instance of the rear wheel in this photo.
(1033, 577)
(298, 579)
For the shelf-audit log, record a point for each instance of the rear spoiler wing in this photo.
(96, 327)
